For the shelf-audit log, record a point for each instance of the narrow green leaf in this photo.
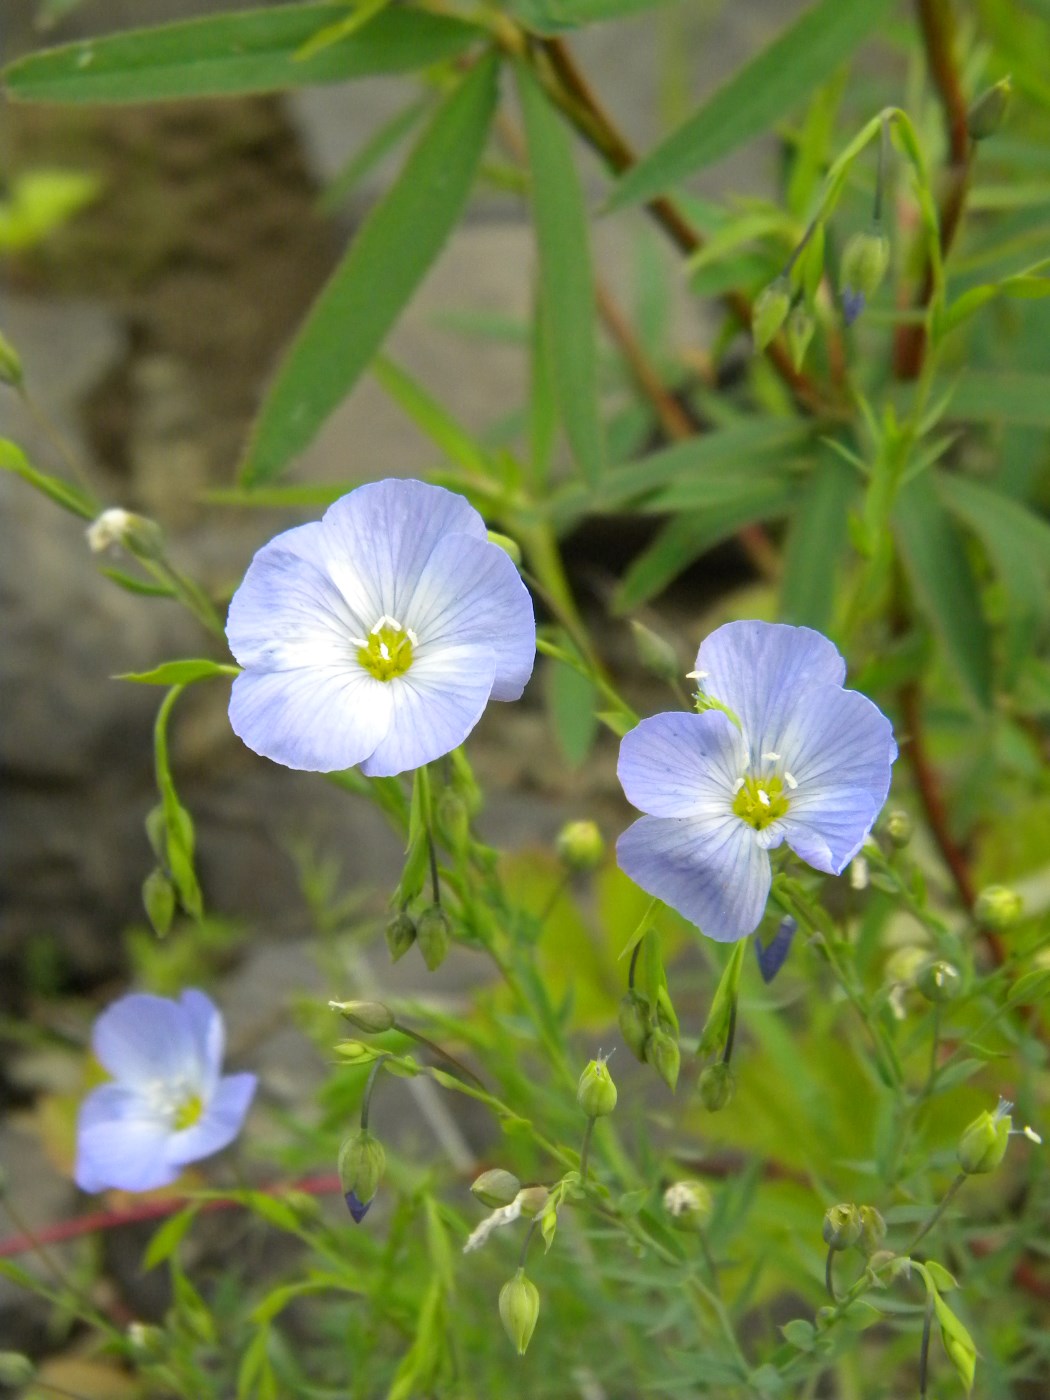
(63, 493)
(359, 16)
(383, 140)
(169, 1236)
(784, 73)
(572, 698)
(555, 16)
(250, 51)
(137, 585)
(158, 900)
(179, 673)
(430, 417)
(566, 276)
(939, 571)
(1017, 540)
(815, 545)
(385, 263)
(987, 396)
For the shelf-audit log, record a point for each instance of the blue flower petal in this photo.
(434, 706)
(321, 719)
(222, 1119)
(682, 765)
(208, 1033)
(470, 592)
(710, 869)
(762, 671)
(358, 1209)
(772, 957)
(141, 1039)
(121, 1142)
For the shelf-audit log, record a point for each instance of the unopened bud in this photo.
(138, 535)
(509, 546)
(596, 1092)
(10, 364)
(842, 1226)
(689, 1204)
(400, 934)
(800, 328)
(655, 653)
(433, 936)
(872, 1231)
(864, 262)
(899, 827)
(580, 846)
(15, 1369)
(983, 1145)
(519, 1307)
(147, 1341)
(370, 1016)
(940, 981)
(361, 1165)
(998, 907)
(635, 1021)
(716, 1086)
(496, 1188)
(770, 311)
(532, 1200)
(661, 1051)
(986, 114)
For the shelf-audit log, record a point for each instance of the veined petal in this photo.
(288, 611)
(219, 1124)
(209, 1036)
(762, 671)
(434, 706)
(144, 1039)
(710, 869)
(828, 828)
(120, 1143)
(471, 593)
(321, 719)
(379, 538)
(682, 765)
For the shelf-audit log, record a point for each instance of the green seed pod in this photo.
(519, 1307)
(508, 545)
(655, 653)
(872, 1231)
(635, 1021)
(998, 907)
(596, 1092)
(842, 1226)
(533, 1200)
(361, 1165)
(770, 311)
(716, 1086)
(400, 934)
(899, 827)
(580, 846)
(661, 1051)
(10, 364)
(983, 1145)
(864, 262)
(15, 1369)
(433, 936)
(370, 1016)
(800, 328)
(940, 981)
(689, 1204)
(496, 1188)
(987, 111)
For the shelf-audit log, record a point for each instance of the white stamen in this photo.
(387, 621)
(763, 797)
(411, 636)
(790, 779)
(384, 651)
(1031, 1134)
(858, 873)
(359, 641)
(697, 675)
(737, 786)
(773, 757)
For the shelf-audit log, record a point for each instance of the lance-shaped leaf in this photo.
(387, 260)
(784, 73)
(253, 51)
(566, 277)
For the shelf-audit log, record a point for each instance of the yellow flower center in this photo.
(760, 802)
(188, 1112)
(387, 650)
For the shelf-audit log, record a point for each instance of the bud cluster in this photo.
(848, 1226)
(649, 1033)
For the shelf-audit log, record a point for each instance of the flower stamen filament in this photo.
(387, 650)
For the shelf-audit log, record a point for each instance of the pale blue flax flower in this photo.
(377, 635)
(799, 759)
(168, 1103)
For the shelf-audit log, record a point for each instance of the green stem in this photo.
(949, 1196)
(437, 1050)
(829, 1274)
(585, 1150)
(924, 1350)
(366, 1101)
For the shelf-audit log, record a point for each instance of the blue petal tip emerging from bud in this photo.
(773, 956)
(853, 304)
(358, 1209)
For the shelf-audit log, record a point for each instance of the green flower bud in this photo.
(10, 364)
(453, 818)
(998, 907)
(400, 934)
(433, 936)
(496, 1188)
(987, 111)
(370, 1016)
(716, 1086)
(800, 328)
(596, 1092)
(661, 1051)
(635, 1021)
(842, 1226)
(139, 536)
(361, 1165)
(906, 964)
(519, 1307)
(864, 262)
(872, 1231)
(580, 846)
(689, 1204)
(899, 827)
(655, 653)
(940, 981)
(983, 1145)
(148, 1342)
(508, 545)
(770, 311)
(15, 1369)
